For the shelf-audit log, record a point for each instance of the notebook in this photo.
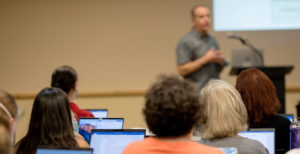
(114, 141)
(86, 125)
(266, 136)
(64, 151)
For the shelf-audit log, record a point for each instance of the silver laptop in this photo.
(246, 57)
(229, 150)
(288, 116)
(99, 113)
(114, 141)
(86, 125)
(266, 136)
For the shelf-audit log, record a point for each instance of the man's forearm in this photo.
(191, 67)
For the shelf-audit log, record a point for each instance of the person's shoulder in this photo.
(80, 140)
(281, 120)
(186, 38)
(250, 142)
(211, 37)
(73, 105)
(135, 147)
(279, 117)
(252, 146)
(80, 112)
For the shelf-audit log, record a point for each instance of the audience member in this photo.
(225, 115)
(171, 111)
(50, 124)
(6, 145)
(259, 96)
(65, 78)
(8, 110)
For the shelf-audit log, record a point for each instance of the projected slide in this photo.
(247, 15)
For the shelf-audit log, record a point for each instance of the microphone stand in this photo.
(257, 51)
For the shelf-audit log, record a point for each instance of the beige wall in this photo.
(114, 45)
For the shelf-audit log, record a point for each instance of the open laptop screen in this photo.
(63, 151)
(99, 113)
(229, 150)
(114, 141)
(288, 116)
(86, 125)
(264, 136)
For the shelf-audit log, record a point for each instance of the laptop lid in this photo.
(246, 57)
(64, 151)
(229, 150)
(266, 136)
(86, 125)
(99, 113)
(288, 116)
(114, 141)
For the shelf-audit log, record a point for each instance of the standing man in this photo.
(198, 56)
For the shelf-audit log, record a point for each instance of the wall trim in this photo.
(118, 93)
(293, 89)
(115, 93)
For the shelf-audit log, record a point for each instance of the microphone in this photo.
(233, 36)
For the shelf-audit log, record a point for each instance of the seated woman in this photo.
(259, 96)
(50, 124)
(8, 110)
(225, 115)
(6, 146)
(171, 111)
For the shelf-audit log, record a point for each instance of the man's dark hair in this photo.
(194, 8)
(172, 107)
(64, 77)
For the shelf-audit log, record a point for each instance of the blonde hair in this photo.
(224, 111)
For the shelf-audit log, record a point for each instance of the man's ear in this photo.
(75, 86)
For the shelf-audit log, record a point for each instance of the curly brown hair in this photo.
(172, 107)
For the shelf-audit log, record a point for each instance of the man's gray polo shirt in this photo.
(192, 46)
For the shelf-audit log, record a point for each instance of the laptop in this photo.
(246, 57)
(99, 113)
(229, 150)
(64, 151)
(86, 125)
(114, 141)
(288, 116)
(266, 136)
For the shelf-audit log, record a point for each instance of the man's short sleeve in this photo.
(183, 53)
(216, 45)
